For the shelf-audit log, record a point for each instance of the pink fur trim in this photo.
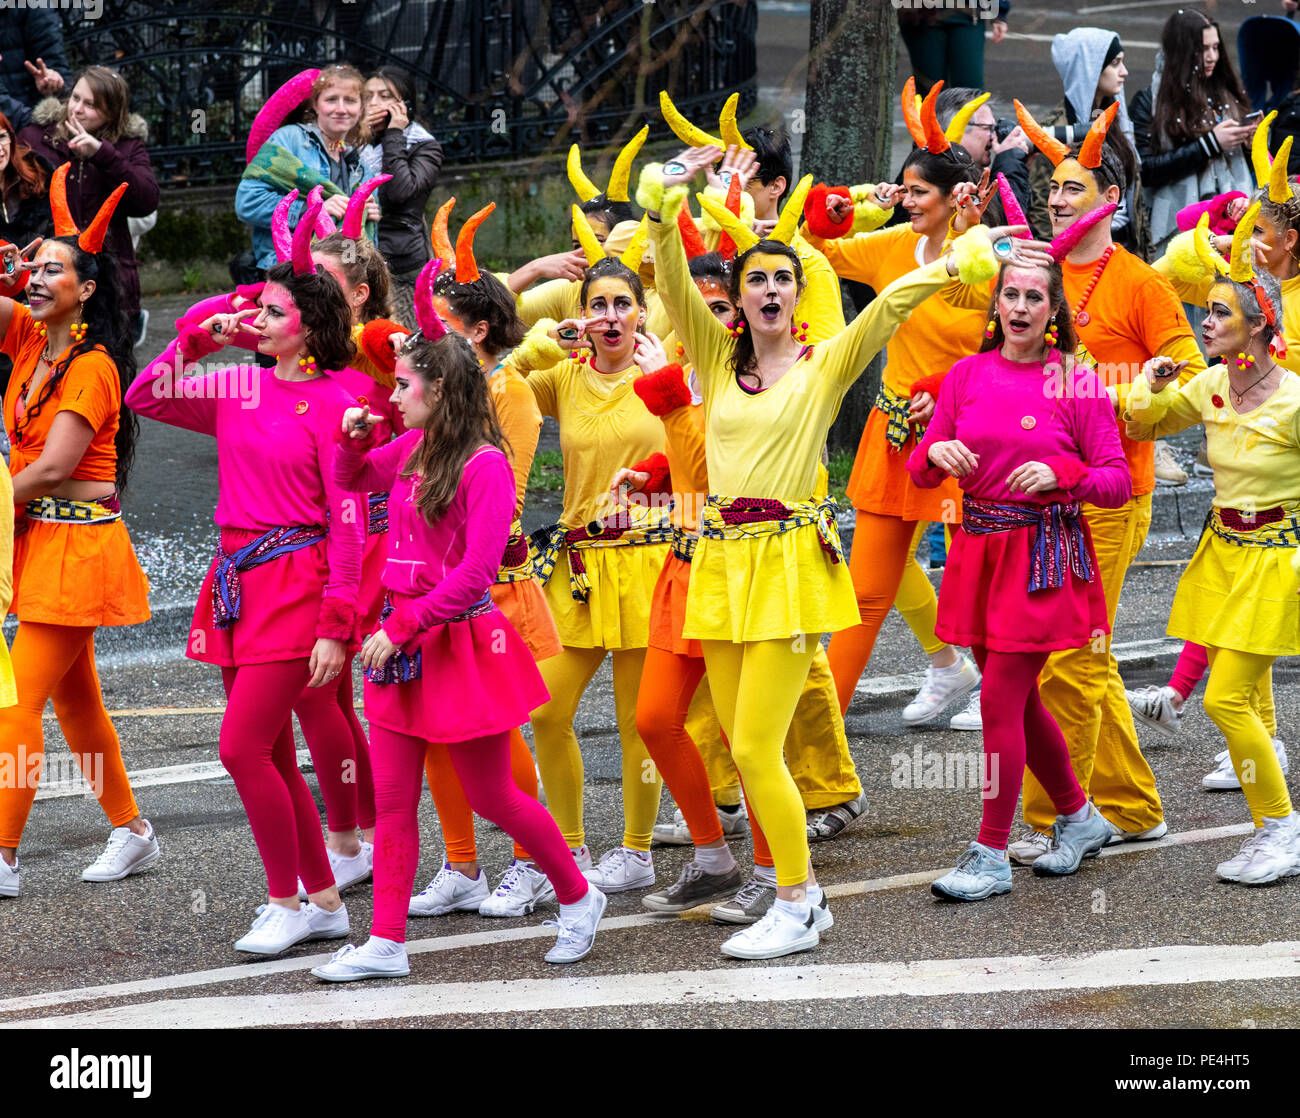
(401, 625)
(337, 620)
(1069, 471)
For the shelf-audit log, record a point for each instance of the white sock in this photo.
(715, 859)
(800, 911)
(573, 911)
(993, 851)
(766, 874)
(1080, 815)
(642, 856)
(580, 852)
(953, 668)
(384, 948)
(815, 894)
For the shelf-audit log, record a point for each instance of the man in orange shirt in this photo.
(1125, 313)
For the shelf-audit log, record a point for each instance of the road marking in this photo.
(1173, 965)
(1127, 7)
(148, 778)
(1129, 44)
(165, 983)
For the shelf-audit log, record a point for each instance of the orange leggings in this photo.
(58, 662)
(453, 808)
(882, 546)
(668, 682)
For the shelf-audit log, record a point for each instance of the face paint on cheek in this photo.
(611, 289)
(1070, 170)
(1235, 323)
(443, 308)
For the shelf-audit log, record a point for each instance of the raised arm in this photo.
(159, 392)
(1152, 415)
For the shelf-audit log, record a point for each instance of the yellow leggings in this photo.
(560, 760)
(1237, 683)
(916, 599)
(756, 687)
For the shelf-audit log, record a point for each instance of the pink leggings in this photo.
(361, 751)
(1018, 730)
(1193, 663)
(483, 765)
(264, 765)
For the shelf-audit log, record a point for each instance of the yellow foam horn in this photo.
(586, 237)
(788, 223)
(631, 256)
(729, 128)
(1259, 151)
(1279, 188)
(682, 128)
(583, 186)
(742, 236)
(1242, 265)
(1211, 260)
(622, 172)
(957, 126)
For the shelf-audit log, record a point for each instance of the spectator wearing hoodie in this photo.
(1090, 61)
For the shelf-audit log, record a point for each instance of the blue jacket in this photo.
(255, 202)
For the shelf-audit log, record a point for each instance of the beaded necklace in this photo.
(1081, 316)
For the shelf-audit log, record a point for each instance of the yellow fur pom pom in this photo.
(866, 214)
(973, 254)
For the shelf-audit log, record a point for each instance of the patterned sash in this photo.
(730, 518)
(1058, 545)
(895, 408)
(1275, 527)
(376, 514)
(401, 668)
(518, 559)
(631, 527)
(684, 544)
(268, 546)
(60, 510)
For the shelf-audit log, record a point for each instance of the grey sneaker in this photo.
(576, 937)
(1029, 847)
(694, 887)
(748, 906)
(980, 874)
(829, 823)
(1073, 842)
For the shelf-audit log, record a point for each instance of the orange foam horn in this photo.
(910, 116)
(1090, 150)
(726, 245)
(1049, 145)
(92, 240)
(466, 265)
(441, 241)
(935, 140)
(691, 239)
(64, 226)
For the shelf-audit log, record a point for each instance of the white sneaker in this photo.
(577, 936)
(450, 891)
(521, 889)
(1224, 777)
(1276, 854)
(1231, 869)
(351, 963)
(622, 869)
(942, 687)
(347, 871)
(9, 879)
(125, 854)
(969, 718)
(1029, 847)
(276, 929)
(325, 924)
(735, 824)
(1155, 707)
(777, 934)
(1117, 835)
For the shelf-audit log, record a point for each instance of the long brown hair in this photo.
(1188, 104)
(1067, 340)
(463, 422)
(112, 99)
(23, 171)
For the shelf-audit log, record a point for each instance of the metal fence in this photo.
(498, 80)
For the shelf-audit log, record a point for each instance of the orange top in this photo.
(90, 388)
(1133, 315)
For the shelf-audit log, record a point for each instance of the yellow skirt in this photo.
(1243, 598)
(770, 587)
(617, 611)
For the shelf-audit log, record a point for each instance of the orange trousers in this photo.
(58, 662)
(882, 548)
(453, 808)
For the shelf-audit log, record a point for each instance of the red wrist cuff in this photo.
(401, 625)
(661, 481)
(931, 384)
(375, 344)
(1069, 471)
(195, 344)
(663, 391)
(337, 621)
(816, 217)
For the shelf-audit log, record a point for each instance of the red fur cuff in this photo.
(1069, 471)
(401, 625)
(375, 344)
(663, 391)
(661, 481)
(195, 344)
(818, 220)
(337, 621)
(930, 384)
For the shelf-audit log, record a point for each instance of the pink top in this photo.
(447, 566)
(275, 451)
(1009, 414)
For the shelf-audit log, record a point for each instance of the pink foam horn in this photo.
(278, 106)
(353, 218)
(280, 235)
(300, 250)
(1010, 206)
(324, 223)
(1063, 245)
(431, 326)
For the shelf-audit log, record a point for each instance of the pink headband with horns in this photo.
(300, 247)
(280, 235)
(352, 219)
(431, 326)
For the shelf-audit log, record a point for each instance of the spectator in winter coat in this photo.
(24, 191)
(32, 59)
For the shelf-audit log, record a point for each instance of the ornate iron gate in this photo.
(499, 79)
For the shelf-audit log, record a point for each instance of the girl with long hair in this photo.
(24, 190)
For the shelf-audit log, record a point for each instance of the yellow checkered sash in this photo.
(60, 510)
(630, 527)
(730, 518)
(1275, 527)
(895, 408)
(518, 560)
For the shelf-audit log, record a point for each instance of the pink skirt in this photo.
(984, 598)
(477, 678)
(279, 604)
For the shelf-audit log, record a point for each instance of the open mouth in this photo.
(612, 337)
(770, 311)
(1017, 325)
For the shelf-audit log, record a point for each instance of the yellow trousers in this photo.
(1237, 683)
(1083, 691)
(816, 747)
(560, 760)
(756, 687)
(916, 599)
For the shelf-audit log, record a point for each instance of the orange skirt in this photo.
(78, 574)
(668, 609)
(524, 605)
(881, 484)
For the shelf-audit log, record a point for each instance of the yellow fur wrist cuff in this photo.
(973, 254)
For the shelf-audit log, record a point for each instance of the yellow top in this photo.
(769, 444)
(603, 427)
(1256, 455)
